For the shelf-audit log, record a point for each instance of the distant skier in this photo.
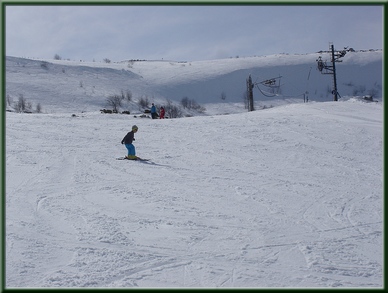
(127, 140)
(154, 115)
(161, 115)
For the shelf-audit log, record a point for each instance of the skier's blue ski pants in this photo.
(131, 149)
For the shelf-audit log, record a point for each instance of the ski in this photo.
(138, 159)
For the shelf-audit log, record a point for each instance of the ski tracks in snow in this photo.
(272, 209)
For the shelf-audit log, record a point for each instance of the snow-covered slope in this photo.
(289, 196)
(60, 85)
(285, 197)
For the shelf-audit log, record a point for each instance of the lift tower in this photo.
(250, 93)
(330, 69)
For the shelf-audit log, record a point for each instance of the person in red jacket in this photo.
(161, 114)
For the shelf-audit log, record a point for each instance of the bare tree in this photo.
(28, 107)
(9, 100)
(129, 95)
(21, 104)
(115, 101)
(185, 102)
(192, 104)
(144, 102)
(172, 110)
(223, 96)
(38, 108)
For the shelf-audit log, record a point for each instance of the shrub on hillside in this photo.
(115, 101)
(144, 102)
(191, 104)
(172, 111)
(23, 106)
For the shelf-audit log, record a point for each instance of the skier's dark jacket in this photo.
(128, 138)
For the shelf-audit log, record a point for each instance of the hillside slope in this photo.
(68, 86)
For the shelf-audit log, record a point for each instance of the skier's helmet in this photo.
(134, 127)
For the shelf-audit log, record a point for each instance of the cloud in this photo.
(186, 32)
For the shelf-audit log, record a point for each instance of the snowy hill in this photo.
(60, 85)
(284, 197)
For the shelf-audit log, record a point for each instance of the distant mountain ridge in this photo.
(69, 86)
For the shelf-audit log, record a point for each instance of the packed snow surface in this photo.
(289, 196)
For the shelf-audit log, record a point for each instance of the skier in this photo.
(162, 112)
(127, 140)
(153, 112)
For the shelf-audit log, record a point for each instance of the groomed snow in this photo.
(285, 197)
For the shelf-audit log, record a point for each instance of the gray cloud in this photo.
(187, 32)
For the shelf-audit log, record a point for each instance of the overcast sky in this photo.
(187, 33)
